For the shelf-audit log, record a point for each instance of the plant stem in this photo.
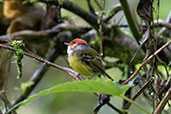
(137, 105)
(131, 22)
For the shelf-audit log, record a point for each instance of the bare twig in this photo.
(112, 12)
(4, 98)
(91, 9)
(98, 4)
(166, 98)
(137, 94)
(144, 62)
(114, 108)
(160, 23)
(30, 34)
(87, 16)
(144, 39)
(29, 54)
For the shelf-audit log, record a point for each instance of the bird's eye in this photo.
(72, 43)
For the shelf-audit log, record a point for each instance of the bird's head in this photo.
(74, 43)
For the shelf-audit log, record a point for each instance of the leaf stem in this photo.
(137, 105)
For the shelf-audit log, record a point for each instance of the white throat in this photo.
(78, 48)
(69, 51)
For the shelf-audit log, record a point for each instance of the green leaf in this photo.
(92, 86)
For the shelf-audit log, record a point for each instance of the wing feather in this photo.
(92, 59)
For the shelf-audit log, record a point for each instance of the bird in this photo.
(84, 59)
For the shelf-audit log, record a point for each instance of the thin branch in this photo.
(90, 18)
(144, 62)
(30, 34)
(4, 98)
(146, 85)
(91, 9)
(87, 16)
(32, 55)
(114, 108)
(112, 12)
(160, 23)
(166, 98)
(98, 4)
(130, 70)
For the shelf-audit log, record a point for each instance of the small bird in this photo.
(84, 59)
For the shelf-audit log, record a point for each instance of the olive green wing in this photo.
(93, 60)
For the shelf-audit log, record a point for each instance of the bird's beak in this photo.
(66, 44)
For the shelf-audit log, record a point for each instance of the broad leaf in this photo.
(92, 86)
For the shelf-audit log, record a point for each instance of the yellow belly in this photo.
(80, 67)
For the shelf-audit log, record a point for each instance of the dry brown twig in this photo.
(166, 98)
(144, 62)
(137, 94)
